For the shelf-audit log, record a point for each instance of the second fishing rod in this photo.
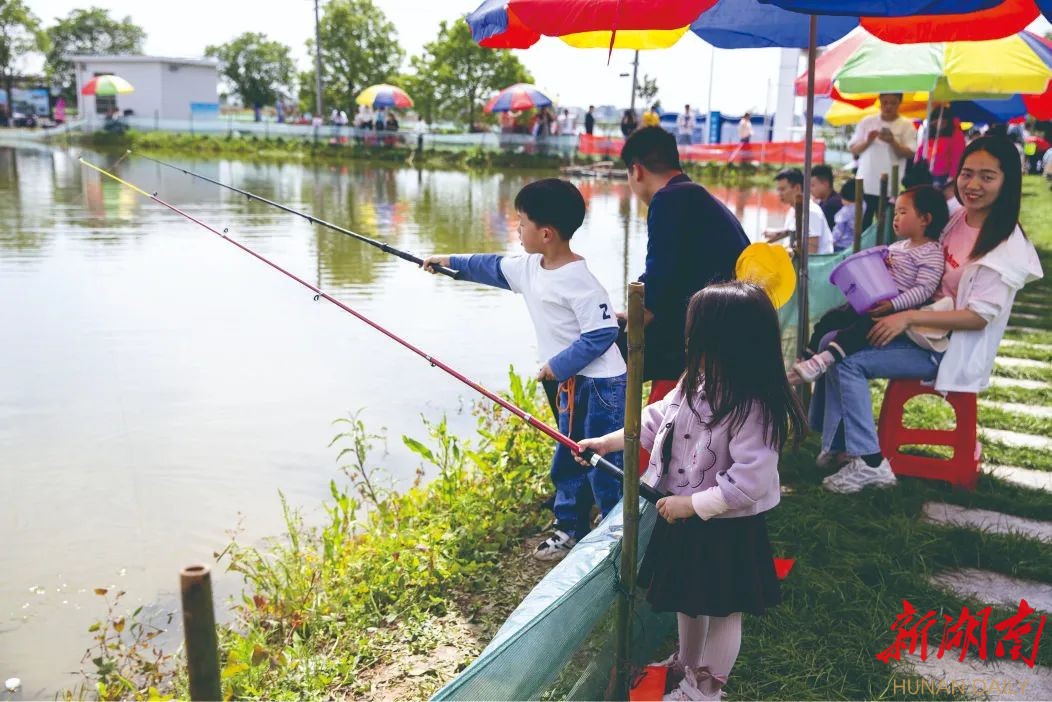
(386, 248)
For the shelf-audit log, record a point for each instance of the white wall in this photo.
(157, 88)
(184, 85)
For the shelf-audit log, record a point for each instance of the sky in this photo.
(742, 80)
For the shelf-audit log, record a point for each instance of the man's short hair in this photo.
(898, 95)
(823, 173)
(552, 202)
(652, 148)
(794, 175)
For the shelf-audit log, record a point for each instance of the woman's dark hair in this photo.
(1004, 213)
(734, 354)
(847, 190)
(929, 201)
(944, 128)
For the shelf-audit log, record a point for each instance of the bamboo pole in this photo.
(860, 204)
(882, 207)
(630, 504)
(199, 626)
(801, 243)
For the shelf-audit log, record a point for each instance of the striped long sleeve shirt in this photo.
(916, 271)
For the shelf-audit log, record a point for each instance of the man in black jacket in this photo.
(692, 240)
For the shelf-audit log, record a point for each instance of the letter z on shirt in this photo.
(571, 311)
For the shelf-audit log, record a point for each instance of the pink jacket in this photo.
(947, 150)
(743, 467)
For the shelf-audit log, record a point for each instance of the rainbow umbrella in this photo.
(613, 24)
(996, 68)
(521, 96)
(384, 95)
(107, 85)
(917, 21)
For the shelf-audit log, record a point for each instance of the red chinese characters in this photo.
(966, 632)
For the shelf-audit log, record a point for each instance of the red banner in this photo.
(788, 152)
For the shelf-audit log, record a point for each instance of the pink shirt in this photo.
(957, 243)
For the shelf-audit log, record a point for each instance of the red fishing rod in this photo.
(386, 248)
(589, 455)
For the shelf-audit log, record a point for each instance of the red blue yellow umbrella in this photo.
(384, 95)
(518, 24)
(521, 96)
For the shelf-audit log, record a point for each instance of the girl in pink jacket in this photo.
(714, 444)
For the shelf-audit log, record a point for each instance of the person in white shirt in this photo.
(685, 126)
(790, 185)
(565, 122)
(880, 142)
(576, 329)
(745, 128)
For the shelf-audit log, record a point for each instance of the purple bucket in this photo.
(864, 278)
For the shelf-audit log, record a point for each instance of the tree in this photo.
(91, 32)
(461, 73)
(647, 90)
(258, 70)
(20, 34)
(359, 47)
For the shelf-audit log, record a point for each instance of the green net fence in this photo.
(559, 642)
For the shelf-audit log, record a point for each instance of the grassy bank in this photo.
(392, 594)
(279, 150)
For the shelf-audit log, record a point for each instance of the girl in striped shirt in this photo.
(916, 264)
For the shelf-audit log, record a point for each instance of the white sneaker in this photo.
(856, 475)
(832, 459)
(813, 368)
(555, 547)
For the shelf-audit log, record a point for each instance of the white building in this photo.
(165, 88)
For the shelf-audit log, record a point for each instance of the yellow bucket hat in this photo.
(769, 266)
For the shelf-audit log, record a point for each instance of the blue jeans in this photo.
(841, 407)
(599, 408)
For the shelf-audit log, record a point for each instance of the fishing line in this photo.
(593, 458)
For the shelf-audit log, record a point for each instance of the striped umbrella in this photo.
(521, 96)
(384, 95)
(107, 85)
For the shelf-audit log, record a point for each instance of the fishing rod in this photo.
(386, 248)
(593, 458)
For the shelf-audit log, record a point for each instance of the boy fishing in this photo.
(576, 329)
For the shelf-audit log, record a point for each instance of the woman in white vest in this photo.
(955, 340)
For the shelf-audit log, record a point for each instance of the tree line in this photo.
(359, 45)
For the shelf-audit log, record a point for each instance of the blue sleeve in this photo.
(480, 268)
(661, 257)
(590, 346)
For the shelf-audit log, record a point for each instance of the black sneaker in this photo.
(555, 547)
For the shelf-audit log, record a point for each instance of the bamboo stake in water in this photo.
(894, 196)
(630, 504)
(199, 626)
(860, 204)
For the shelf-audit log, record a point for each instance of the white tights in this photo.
(710, 642)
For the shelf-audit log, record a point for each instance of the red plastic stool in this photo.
(963, 468)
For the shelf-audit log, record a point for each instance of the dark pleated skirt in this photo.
(713, 568)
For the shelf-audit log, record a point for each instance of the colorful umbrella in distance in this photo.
(384, 95)
(106, 86)
(521, 96)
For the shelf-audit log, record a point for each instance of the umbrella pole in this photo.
(804, 323)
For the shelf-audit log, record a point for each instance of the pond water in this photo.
(158, 387)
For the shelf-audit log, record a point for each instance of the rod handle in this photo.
(647, 492)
